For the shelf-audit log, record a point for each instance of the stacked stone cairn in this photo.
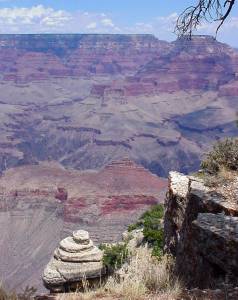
(74, 262)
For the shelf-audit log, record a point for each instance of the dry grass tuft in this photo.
(223, 155)
(27, 294)
(144, 278)
(223, 177)
(6, 296)
(146, 275)
(227, 175)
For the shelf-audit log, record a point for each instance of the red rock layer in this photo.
(38, 57)
(121, 187)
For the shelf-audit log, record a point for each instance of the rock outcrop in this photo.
(201, 231)
(134, 239)
(74, 261)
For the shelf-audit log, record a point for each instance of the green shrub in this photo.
(153, 231)
(114, 255)
(134, 226)
(223, 155)
(156, 213)
(152, 228)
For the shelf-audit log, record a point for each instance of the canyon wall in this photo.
(85, 100)
(42, 204)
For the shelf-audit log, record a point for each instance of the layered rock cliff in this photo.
(85, 100)
(26, 58)
(199, 63)
(201, 231)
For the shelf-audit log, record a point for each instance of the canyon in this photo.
(89, 127)
(42, 204)
(85, 100)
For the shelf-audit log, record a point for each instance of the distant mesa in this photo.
(197, 37)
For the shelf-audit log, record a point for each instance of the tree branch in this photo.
(209, 10)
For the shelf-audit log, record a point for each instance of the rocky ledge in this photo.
(74, 261)
(201, 232)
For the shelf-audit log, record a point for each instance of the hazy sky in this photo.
(104, 16)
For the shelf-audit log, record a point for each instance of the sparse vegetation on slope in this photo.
(27, 294)
(145, 275)
(138, 274)
(114, 255)
(144, 278)
(224, 155)
(151, 222)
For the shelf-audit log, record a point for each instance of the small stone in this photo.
(68, 244)
(84, 256)
(81, 236)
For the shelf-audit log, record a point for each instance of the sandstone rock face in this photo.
(75, 259)
(201, 231)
